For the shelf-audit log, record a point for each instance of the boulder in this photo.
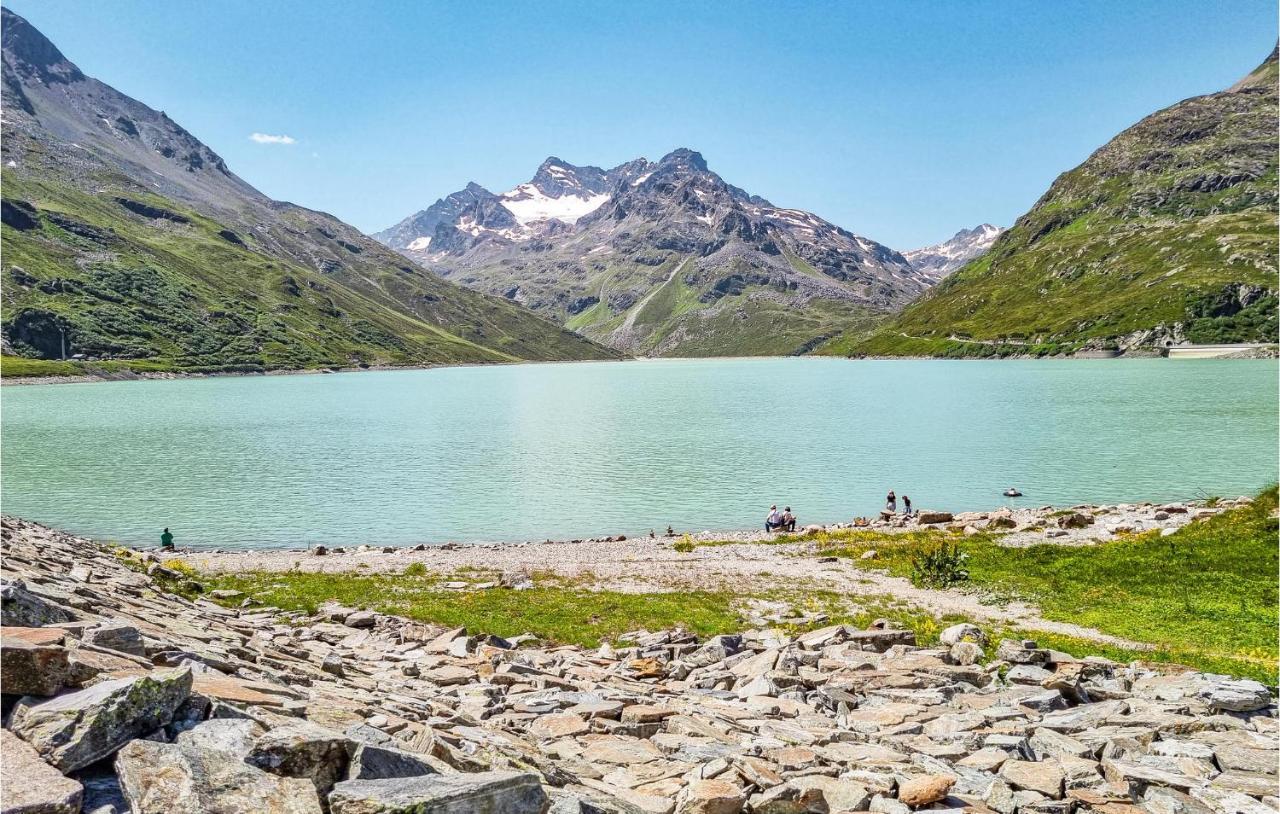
(305, 750)
(924, 789)
(965, 653)
(557, 725)
(962, 632)
(116, 636)
(73, 730)
(710, 797)
(1021, 652)
(32, 786)
(371, 762)
(31, 669)
(1075, 520)
(21, 608)
(361, 619)
(506, 792)
(1043, 777)
(204, 771)
(1236, 695)
(929, 518)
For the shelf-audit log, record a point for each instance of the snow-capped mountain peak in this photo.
(940, 259)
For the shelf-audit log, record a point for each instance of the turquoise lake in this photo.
(575, 450)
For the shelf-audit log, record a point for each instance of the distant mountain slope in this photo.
(1167, 233)
(126, 237)
(661, 258)
(940, 259)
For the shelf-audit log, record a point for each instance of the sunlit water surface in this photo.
(574, 450)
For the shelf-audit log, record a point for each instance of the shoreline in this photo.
(165, 375)
(611, 554)
(148, 375)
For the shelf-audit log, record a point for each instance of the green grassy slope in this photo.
(685, 314)
(1204, 596)
(128, 242)
(181, 295)
(1166, 233)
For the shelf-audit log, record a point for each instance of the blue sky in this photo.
(902, 121)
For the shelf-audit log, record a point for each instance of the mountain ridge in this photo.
(940, 259)
(662, 258)
(127, 238)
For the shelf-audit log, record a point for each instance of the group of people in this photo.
(891, 504)
(780, 520)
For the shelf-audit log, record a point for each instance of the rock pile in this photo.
(119, 696)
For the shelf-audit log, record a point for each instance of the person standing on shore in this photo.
(891, 502)
(906, 505)
(166, 539)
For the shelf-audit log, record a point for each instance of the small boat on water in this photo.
(1012, 492)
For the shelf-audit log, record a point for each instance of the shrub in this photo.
(940, 567)
(684, 545)
(416, 569)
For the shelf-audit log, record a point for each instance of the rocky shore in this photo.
(122, 696)
(1075, 525)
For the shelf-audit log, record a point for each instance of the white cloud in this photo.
(266, 138)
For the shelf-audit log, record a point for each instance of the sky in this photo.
(900, 121)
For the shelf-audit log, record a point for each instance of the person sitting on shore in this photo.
(788, 520)
(774, 520)
(891, 502)
(166, 540)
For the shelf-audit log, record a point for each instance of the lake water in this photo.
(573, 450)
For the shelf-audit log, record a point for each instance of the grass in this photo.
(567, 615)
(1204, 596)
(131, 291)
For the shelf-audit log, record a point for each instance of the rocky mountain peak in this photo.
(556, 178)
(710, 265)
(940, 259)
(32, 54)
(683, 157)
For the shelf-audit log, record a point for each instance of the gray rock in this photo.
(481, 793)
(234, 736)
(1043, 777)
(361, 619)
(332, 665)
(116, 636)
(303, 749)
(31, 786)
(1236, 695)
(76, 729)
(1018, 653)
(1048, 743)
(102, 793)
(370, 762)
(204, 772)
(21, 608)
(1027, 674)
(880, 804)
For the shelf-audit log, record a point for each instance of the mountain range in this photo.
(661, 258)
(1166, 234)
(125, 237)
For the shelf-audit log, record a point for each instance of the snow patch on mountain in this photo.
(531, 205)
